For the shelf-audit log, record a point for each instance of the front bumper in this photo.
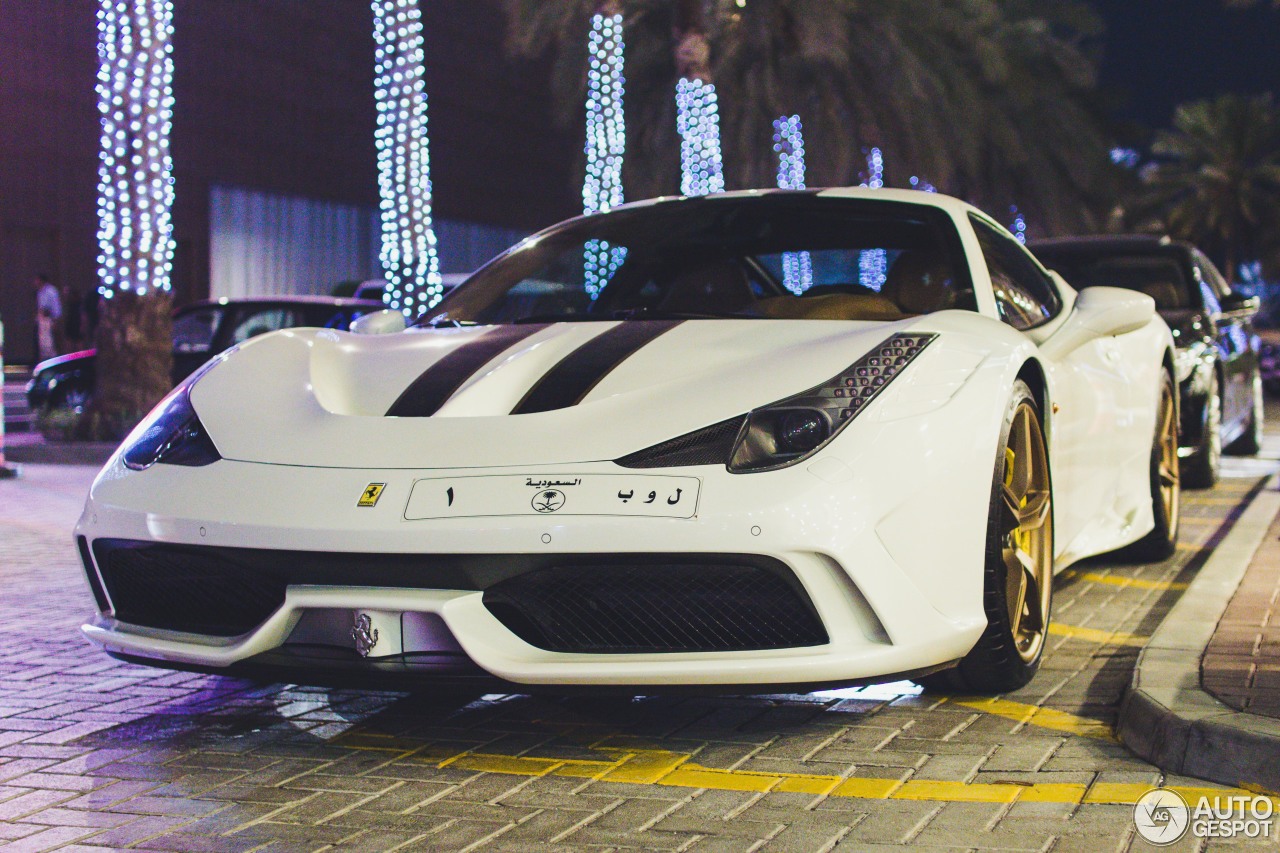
(889, 601)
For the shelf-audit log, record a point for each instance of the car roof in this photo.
(290, 299)
(939, 200)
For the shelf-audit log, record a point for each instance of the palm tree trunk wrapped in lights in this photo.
(697, 106)
(788, 142)
(606, 139)
(409, 259)
(135, 199)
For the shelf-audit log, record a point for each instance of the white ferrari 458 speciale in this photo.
(759, 440)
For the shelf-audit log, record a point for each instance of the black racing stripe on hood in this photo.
(424, 397)
(581, 370)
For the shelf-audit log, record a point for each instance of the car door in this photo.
(1234, 351)
(1091, 390)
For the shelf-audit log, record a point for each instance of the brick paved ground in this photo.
(98, 755)
(1241, 665)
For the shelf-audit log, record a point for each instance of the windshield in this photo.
(767, 257)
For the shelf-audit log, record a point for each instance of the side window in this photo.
(258, 321)
(193, 331)
(1025, 296)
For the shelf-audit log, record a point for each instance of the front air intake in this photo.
(666, 607)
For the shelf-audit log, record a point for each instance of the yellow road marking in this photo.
(1123, 582)
(1093, 635)
(1045, 718)
(674, 769)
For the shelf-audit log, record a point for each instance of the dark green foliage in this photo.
(991, 100)
(1216, 180)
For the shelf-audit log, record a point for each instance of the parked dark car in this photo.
(200, 330)
(1217, 349)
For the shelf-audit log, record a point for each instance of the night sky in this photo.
(1163, 52)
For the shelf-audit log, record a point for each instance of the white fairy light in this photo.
(1019, 226)
(135, 100)
(409, 260)
(922, 185)
(698, 122)
(873, 264)
(606, 144)
(788, 142)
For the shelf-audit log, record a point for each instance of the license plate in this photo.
(563, 494)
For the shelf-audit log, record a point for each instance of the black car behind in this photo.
(200, 331)
(1217, 349)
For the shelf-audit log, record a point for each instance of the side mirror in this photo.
(1102, 312)
(385, 322)
(1236, 306)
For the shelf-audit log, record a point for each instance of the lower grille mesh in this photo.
(655, 608)
(191, 590)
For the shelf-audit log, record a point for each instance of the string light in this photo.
(135, 175)
(409, 260)
(873, 264)
(922, 185)
(788, 142)
(698, 122)
(606, 144)
(1019, 227)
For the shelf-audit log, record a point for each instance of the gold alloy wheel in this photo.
(1027, 543)
(1167, 472)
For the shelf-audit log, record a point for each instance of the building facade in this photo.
(274, 103)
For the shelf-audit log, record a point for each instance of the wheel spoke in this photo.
(1034, 510)
(1016, 587)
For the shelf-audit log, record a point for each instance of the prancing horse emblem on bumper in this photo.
(365, 635)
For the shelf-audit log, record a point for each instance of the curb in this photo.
(1166, 717)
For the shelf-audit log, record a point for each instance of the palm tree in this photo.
(988, 99)
(1216, 181)
(135, 233)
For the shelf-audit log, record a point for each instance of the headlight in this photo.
(171, 434)
(790, 430)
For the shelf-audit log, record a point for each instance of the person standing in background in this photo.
(48, 313)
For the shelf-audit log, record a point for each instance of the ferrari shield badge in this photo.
(371, 493)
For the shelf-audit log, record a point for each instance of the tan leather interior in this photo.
(920, 284)
(831, 306)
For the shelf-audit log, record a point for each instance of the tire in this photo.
(1018, 562)
(1250, 441)
(1200, 469)
(1162, 541)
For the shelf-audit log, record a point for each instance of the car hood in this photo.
(321, 398)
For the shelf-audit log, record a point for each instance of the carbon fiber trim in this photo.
(581, 370)
(424, 397)
(711, 445)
